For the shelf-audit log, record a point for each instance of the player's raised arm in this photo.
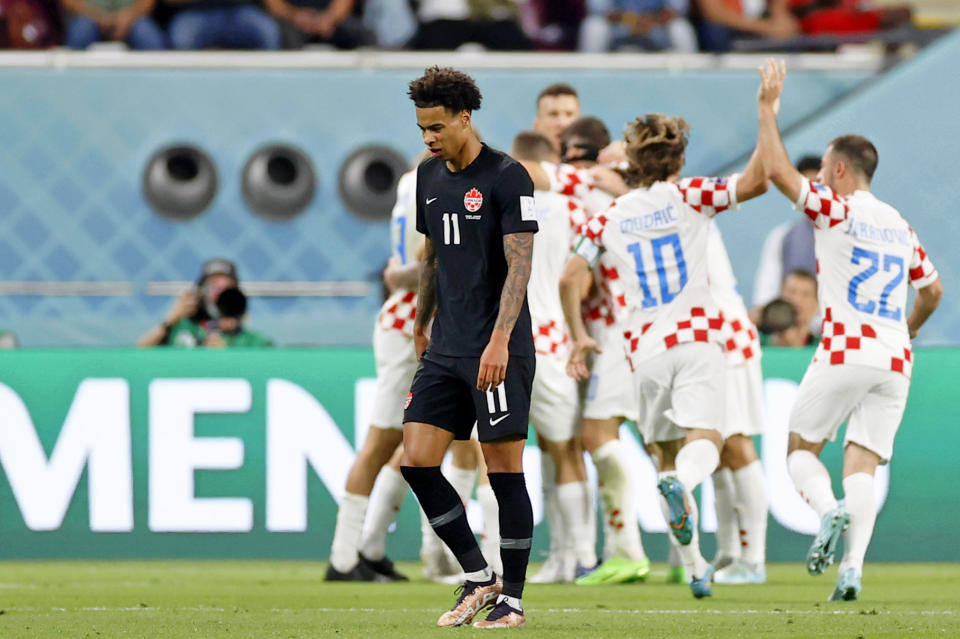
(426, 297)
(753, 180)
(772, 154)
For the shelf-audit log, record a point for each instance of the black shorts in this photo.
(444, 394)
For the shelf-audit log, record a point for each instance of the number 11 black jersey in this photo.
(466, 214)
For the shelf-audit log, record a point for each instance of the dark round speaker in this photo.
(278, 182)
(179, 181)
(368, 181)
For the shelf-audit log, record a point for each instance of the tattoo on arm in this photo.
(518, 249)
(427, 293)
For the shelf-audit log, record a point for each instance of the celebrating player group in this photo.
(575, 284)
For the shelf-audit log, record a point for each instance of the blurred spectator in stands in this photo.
(722, 21)
(392, 21)
(839, 17)
(800, 289)
(321, 22)
(450, 24)
(649, 25)
(29, 24)
(222, 24)
(788, 246)
(554, 25)
(779, 327)
(196, 314)
(8, 340)
(127, 21)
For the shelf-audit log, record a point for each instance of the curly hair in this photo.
(655, 148)
(446, 87)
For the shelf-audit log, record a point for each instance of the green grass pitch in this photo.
(290, 600)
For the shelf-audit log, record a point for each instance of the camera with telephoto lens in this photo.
(231, 303)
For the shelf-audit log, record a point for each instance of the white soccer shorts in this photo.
(396, 363)
(743, 410)
(610, 389)
(553, 403)
(679, 389)
(870, 400)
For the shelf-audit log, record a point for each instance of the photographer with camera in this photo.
(227, 330)
(210, 314)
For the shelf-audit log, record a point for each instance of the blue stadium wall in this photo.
(74, 142)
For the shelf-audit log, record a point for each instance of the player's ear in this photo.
(840, 168)
(465, 119)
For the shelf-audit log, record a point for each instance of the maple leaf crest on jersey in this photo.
(473, 200)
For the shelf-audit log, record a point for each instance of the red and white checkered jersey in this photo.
(657, 238)
(605, 308)
(567, 179)
(866, 256)
(560, 219)
(399, 311)
(606, 305)
(743, 340)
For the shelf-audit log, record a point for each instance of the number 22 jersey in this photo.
(866, 255)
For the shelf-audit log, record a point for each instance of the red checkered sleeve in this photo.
(709, 195)
(922, 270)
(578, 215)
(571, 181)
(824, 207)
(589, 243)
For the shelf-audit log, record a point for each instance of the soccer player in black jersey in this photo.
(475, 207)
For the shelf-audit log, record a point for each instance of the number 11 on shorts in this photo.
(497, 396)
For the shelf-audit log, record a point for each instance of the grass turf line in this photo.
(290, 600)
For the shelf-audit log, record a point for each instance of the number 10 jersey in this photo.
(656, 240)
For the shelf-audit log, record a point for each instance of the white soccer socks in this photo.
(462, 480)
(343, 552)
(695, 462)
(751, 504)
(574, 504)
(812, 481)
(616, 492)
(551, 504)
(862, 505)
(388, 494)
(490, 542)
(728, 525)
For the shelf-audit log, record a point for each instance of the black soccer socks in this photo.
(446, 514)
(516, 529)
